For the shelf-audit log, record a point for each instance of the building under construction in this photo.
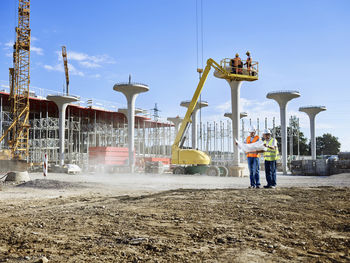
(86, 126)
(90, 125)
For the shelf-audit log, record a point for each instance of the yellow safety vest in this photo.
(271, 155)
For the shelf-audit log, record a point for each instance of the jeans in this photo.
(270, 172)
(253, 165)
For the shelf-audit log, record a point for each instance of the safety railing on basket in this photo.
(242, 68)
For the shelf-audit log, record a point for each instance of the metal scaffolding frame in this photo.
(89, 129)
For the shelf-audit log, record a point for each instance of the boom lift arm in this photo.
(192, 156)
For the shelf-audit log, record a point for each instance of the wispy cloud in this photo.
(224, 107)
(8, 47)
(59, 68)
(37, 50)
(80, 59)
(74, 71)
(8, 44)
(4, 84)
(89, 64)
(88, 61)
(97, 76)
(56, 67)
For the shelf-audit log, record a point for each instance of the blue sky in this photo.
(300, 45)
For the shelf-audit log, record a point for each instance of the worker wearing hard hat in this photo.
(248, 63)
(271, 155)
(236, 65)
(253, 160)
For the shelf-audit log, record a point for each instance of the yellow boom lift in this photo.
(18, 131)
(191, 161)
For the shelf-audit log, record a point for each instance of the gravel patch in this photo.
(50, 184)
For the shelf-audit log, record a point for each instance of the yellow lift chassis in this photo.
(192, 161)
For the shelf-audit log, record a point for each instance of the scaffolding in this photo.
(88, 127)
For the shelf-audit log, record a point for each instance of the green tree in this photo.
(327, 144)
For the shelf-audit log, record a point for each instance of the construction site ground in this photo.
(174, 218)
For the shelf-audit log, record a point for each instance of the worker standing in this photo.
(270, 156)
(248, 62)
(253, 160)
(236, 65)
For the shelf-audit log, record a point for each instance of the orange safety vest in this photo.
(237, 61)
(256, 138)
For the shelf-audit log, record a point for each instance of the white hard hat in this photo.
(267, 131)
(252, 129)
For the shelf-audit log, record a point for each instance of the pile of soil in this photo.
(49, 184)
(247, 225)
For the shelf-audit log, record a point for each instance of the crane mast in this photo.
(19, 86)
(65, 63)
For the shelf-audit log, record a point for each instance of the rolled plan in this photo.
(251, 147)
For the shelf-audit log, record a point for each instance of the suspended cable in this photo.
(202, 30)
(15, 19)
(197, 31)
(199, 70)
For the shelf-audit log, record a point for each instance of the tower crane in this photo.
(18, 131)
(65, 63)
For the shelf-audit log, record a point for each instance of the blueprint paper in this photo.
(251, 147)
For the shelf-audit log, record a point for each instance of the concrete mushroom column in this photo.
(62, 103)
(241, 115)
(125, 111)
(235, 116)
(200, 104)
(282, 98)
(177, 121)
(131, 90)
(312, 111)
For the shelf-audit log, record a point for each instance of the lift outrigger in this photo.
(191, 161)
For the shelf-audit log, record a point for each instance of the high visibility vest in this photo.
(271, 155)
(237, 61)
(256, 138)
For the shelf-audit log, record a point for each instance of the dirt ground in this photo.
(185, 225)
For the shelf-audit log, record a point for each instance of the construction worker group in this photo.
(237, 65)
(271, 155)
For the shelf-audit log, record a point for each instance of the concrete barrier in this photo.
(12, 165)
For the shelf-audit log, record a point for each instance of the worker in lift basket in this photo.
(253, 160)
(270, 156)
(236, 65)
(248, 63)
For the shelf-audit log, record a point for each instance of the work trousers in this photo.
(253, 165)
(270, 173)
